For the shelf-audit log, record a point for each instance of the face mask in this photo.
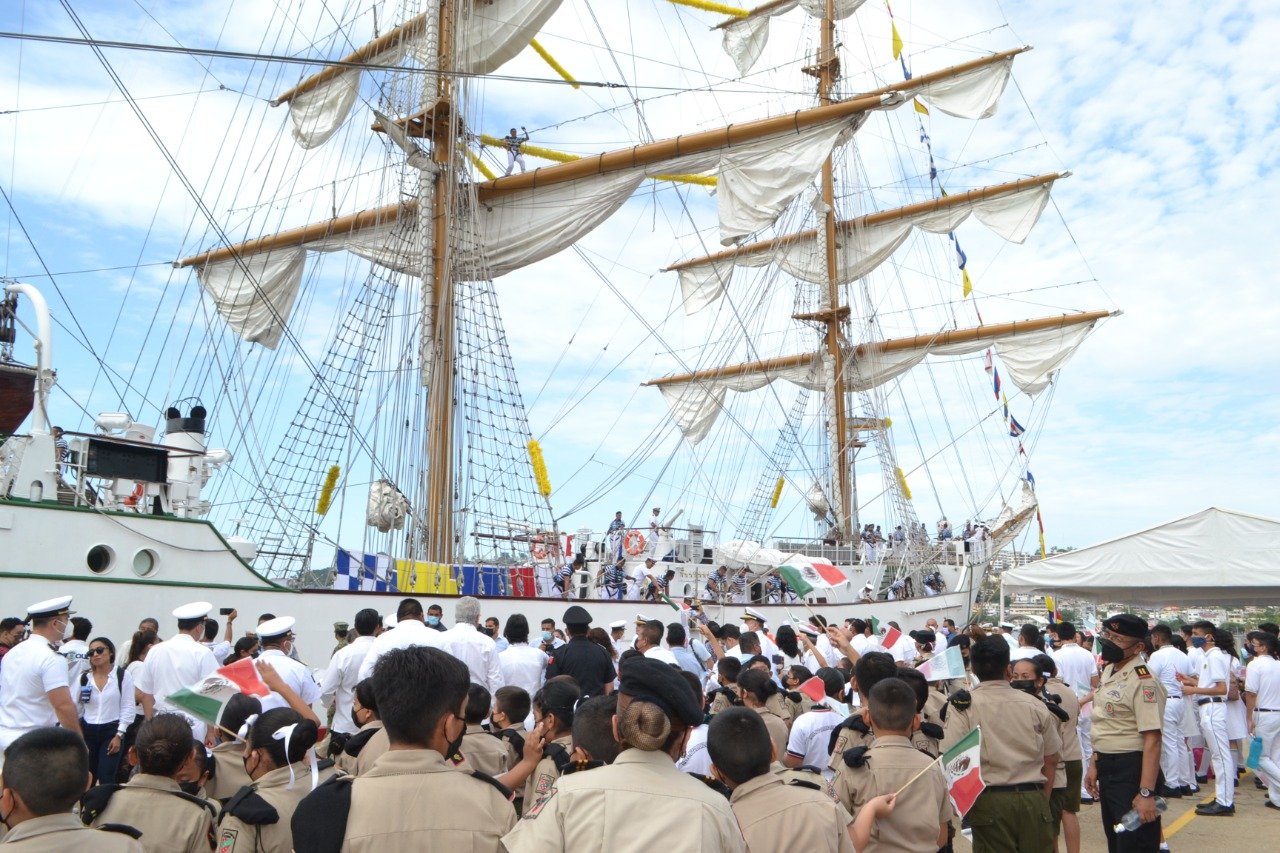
(1198, 642)
(1026, 685)
(433, 621)
(1111, 653)
(455, 745)
(192, 788)
(546, 636)
(355, 718)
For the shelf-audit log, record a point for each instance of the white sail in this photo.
(861, 247)
(745, 38)
(1030, 358)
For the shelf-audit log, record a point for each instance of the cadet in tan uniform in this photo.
(45, 772)
(412, 798)
(553, 710)
(228, 755)
(1062, 702)
(170, 820)
(922, 813)
(364, 713)
(1020, 745)
(855, 731)
(257, 818)
(755, 688)
(772, 814)
(1128, 719)
(642, 794)
(483, 751)
(726, 695)
(929, 704)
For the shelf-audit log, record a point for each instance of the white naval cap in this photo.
(389, 621)
(194, 610)
(806, 628)
(52, 607)
(650, 560)
(641, 619)
(752, 613)
(277, 627)
(621, 623)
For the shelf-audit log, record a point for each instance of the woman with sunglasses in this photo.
(106, 708)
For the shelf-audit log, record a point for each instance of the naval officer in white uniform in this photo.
(276, 636)
(33, 680)
(178, 662)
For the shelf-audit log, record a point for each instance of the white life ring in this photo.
(633, 543)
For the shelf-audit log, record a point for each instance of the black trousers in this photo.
(1119, 778)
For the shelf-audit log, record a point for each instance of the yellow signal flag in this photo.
(897, 40)
(777, 493)
(1042, 551)
(920, 107)
(902, 483)
(326, 491)
(1048, 604)
(540, 475)
(968, 283)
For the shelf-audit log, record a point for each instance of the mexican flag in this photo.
(943, 667)
(962, 765)
(804, 574)
(814, 688)
(206, 700)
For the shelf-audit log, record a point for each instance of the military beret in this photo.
(651, 680)
(577, 615)
(1126, 625)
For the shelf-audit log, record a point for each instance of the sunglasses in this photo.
(98, 651)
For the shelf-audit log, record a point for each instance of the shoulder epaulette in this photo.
(795, 776)
(324, 764)
(858, 724)
(962, 699)
(512, 737)
(1058, 711)
(713, 784)
(792, 696)
(856, 757)
(357, 741)
(558, 755)
(122, 828)
(320, 821)
(932, 730)
(580, 766)
(501, 788)
(1141, 671)
(199, 801)
(249, 806)
(94, 801)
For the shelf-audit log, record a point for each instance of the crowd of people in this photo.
(485, 735)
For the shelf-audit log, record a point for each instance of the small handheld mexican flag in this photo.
(962, 765)
(814, 688)
(943, 667)
(207, 699)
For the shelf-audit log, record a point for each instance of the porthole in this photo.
(144, 563)
(100, 559)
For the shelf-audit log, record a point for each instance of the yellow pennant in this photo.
(920, 107)
(540, 475)
(1048, 604)
(902, 483)
(1042, 551)
(777, 493)
(968, 283)
(326, 491)
(897, 40)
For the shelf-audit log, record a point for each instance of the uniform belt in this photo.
(1268, 710)
(1206, 700)
(1024, 786)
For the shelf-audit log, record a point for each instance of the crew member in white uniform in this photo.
(410, 630)
(617, 635)
(178, 662)
(754, 621)
(1166, 663)
(1210, 692)
(1262, 690)
(337, 688)
(33, 680)
(276, 637)
(640, 579)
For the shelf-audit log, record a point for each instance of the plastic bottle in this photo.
(1131, 821)
(1255, 753)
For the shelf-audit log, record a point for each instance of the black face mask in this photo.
(1111, 653)
(455, 745)
(1026, 685)
(192, 788)
(355, 719)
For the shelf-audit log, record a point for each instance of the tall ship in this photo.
(776, 288)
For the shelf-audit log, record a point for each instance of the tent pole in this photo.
(1001, 622)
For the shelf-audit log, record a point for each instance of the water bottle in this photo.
(1255, 753)
(1131, 821)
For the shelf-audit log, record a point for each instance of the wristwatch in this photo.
(1145, 792)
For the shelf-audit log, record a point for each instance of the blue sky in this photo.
(1169, 122)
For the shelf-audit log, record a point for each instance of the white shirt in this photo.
(477, 651)
(1167, 663)
(76, 653)
(406, 633)
(1215, 669)
(664, 655)
(112, 704)
(1023, 653)
(1076, 665)
(1262, 678)
(220, 650)
(523, 666)
(810, 734)
(176, 663)
(696, 759)
(296, 675)
(340, 680)
(31, 669)
(904, 650)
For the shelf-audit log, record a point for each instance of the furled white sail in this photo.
(492, 34)
(744, 39)
(1030, 358)
(860, 247)
(972, 95)
(257, 312)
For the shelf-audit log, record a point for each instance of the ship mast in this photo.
(827, 70)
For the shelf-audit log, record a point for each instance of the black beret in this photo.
(1127, 625)
(651, 680)
(577, 615)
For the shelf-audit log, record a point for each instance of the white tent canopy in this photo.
(1215, 557)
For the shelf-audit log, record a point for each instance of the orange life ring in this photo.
(633, 543)
(133, 499)
(539, 550)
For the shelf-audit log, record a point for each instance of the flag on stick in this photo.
(207, 699)
(814, 689)
(943, 667)
(962, 765)
(891, 638)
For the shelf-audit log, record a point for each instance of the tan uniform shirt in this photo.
(347, 763)
(1018, 733)
(721, 702)
(484, 752)
(60, 833)
(229, 775)
(168, 824)
(412, 799)
(1128, 702)
(1070, 703)
(639, 800)
(236, 835)
(544, 776)
(777, 731)
(931, 713)
(920, 810)
(775, 816)
(848, 739)
(779, 706)
(373, 750)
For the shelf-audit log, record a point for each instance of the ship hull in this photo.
(45, 551)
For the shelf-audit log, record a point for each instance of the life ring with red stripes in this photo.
(133, 499)
(539, 549)
(633, 543)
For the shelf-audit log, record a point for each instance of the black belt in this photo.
(1208, 699)
(1024, 786)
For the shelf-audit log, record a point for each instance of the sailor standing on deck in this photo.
(176, 663)
(33, 680)
(512, 143)
(640, 579)
(276, 637)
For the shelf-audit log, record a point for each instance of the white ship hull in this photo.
(44, 550)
